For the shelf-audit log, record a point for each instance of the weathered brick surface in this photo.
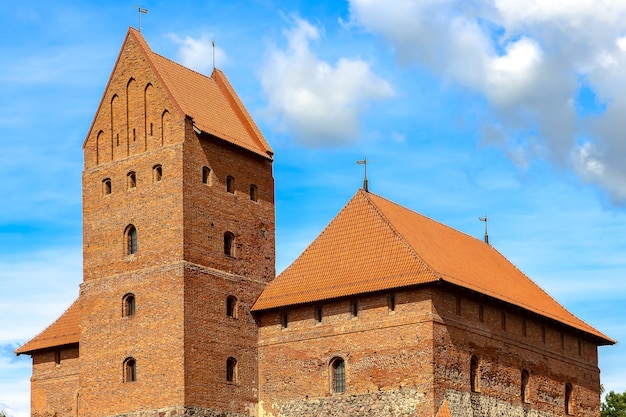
(54, 386)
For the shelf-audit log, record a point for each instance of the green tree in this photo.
(614, 405)
(3, 413)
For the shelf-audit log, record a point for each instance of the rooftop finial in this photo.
(213, 46)
(364, 163)
(485, 219)
(140, 11)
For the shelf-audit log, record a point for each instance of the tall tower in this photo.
(178, 235)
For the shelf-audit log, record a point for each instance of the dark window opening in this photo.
(354, 308)
(229, 244)
(132, 179)
(128, 305)
(230, 184)
(391, 302)
(254, 192)
(568, 399)
(157, 172)
(481, 314)
(231, 370)
(524, 387)
(338, 375)
(106, 186)
(131, 240)
(503, 320)
(130, 370)
(318, 314)
(57, 357)
(474, 375)
(206, 175)
(283, 320)
(231, 306)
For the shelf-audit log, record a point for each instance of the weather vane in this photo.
(213, 47)
(364, 163)
(485, 219)
(140, 11)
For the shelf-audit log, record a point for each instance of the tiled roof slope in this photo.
(374, 244)
(64, 331)
(210, 101)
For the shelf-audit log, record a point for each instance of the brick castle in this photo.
(386, 313)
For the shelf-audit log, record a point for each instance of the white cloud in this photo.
(529, 60)
(319, 103)
(197, 54)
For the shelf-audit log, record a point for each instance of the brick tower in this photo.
(178, 217)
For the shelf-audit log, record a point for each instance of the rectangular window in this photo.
(318, 314)
(354, 308)
(283, 320)
(481, 314)
(391, 302)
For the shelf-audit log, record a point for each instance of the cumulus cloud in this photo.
(529, 59)
(317, 102)
(197, 54)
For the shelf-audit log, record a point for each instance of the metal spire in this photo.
(364, 163)
(139, 12)
(486, 220)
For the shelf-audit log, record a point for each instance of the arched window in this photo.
(568, 399)
(128, 305)
(131, 239)
(229, 244)
(474, 375)
(206, 175)
(230, 184)
(157, 173)
(338, 375)
(106, 186)
(130, 370)
(254, 192)
(231, 370)
(231, 306)
(131, 179)
(524, 387)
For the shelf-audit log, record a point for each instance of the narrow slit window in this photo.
(57, 357)
(254, 192)
(568, 399)
(230, 184)
(229, 244)
(128, 308)
(524, 385)
(231, 370)
(354, 308)
(481, 313)
(206, 175)
(474, 375)
(157, 173)
(131, 239)
(132, 179)
(106, 186)
(283, 320)
(338, 375)
(231, 306)
(130, 370)
(318, 314)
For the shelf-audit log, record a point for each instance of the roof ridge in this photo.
(396, 233)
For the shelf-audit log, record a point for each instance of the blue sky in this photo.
(464, 109)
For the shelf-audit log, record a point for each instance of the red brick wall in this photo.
(388, 356)
(54, 386)
(503, 353)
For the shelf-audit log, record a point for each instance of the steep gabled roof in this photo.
(210, 102)
(64, 331)
(374, 244)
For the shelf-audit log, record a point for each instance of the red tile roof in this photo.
(374, 244)
(210, 101)
(64, 331)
